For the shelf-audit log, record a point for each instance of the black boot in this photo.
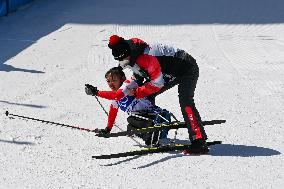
(198, 146)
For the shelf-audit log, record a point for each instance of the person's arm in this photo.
(123, 91)
(112, 116)
(111, 95)
(151, 65)
(111, 119)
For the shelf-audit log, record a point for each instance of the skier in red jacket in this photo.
(158, 68)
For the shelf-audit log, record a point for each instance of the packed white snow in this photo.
(50, 49)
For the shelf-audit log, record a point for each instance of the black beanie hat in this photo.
(120, 48)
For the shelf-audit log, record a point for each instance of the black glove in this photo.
(103, 131)
(91, 90)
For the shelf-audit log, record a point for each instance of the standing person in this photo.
(159, 67)
(119, 94)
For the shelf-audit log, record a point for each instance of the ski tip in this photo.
(6, 113)
(102, 157)
(223, 121)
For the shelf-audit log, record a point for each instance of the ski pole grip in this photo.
(6, 113)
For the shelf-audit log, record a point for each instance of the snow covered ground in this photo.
(50, 49)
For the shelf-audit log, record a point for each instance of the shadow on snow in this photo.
(217, 150)
(20, 104)
(23, 28)
(9, 68)
(226, 150)
(17, 142)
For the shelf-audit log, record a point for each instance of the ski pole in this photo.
(101, 105)
(49, 122)
(106, 112)
(139, 144)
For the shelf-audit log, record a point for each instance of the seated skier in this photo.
(142, 113)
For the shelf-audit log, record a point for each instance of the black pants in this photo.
(138, 123)
(186, 87)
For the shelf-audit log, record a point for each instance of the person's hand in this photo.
(103, 131)
(91, 90)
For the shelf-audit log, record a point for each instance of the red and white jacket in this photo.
(161, 65)
(129, 104)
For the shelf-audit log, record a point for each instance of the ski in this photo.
(171, 125)
(151, 150)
